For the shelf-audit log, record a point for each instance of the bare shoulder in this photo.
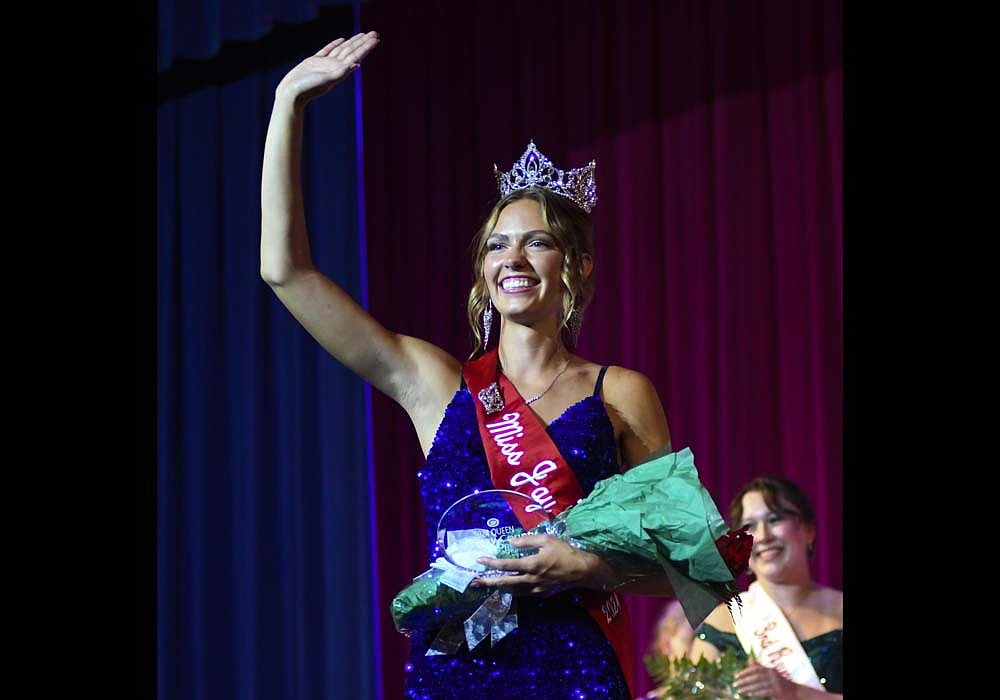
(634, 399)
(623, 385)
(831, 602)
(721, 619)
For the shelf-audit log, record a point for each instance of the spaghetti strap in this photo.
(600, 381)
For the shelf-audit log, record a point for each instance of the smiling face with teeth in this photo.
(781, 538)
(534, 247)
(523, 266)
(552, 220)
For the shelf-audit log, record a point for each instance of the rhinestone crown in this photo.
(535, 170)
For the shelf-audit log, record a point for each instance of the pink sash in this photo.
(523, 457)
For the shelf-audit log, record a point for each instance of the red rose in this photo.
(735, 546)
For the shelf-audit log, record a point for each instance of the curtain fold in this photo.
(717, 130)
(264, 572)
(196, 29)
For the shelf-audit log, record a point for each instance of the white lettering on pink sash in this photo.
(541, 496)
(503, 433)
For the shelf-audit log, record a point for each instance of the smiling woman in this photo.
(582, 422)
(528, 225)
(522, 266)
(791, 627)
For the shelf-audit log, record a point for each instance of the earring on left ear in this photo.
(574, 323)
(810, 548)
(487, 322)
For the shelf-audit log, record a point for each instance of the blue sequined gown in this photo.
(558, 651)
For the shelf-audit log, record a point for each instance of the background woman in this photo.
(793, 624)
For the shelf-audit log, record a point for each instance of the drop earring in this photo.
(487, 322)
(574, 323)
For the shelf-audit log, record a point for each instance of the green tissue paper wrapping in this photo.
(655, 517)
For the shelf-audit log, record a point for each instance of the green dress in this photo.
(825, 651)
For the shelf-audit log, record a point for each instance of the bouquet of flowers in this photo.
(682, 679)
(655, 517)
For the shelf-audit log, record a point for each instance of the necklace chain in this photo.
(559, 374)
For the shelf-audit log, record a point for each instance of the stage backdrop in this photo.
(264, 559)
(197, 29)
(717, 131)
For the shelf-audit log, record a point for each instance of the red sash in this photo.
(523, 457)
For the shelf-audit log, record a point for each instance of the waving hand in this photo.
(330, 65)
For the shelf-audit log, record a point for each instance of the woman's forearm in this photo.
(284, 245)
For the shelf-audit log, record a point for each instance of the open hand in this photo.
(317, 74)
(758, 681)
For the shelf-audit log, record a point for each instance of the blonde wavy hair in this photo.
(573, 231)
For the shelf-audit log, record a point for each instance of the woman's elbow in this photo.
(274, 276)
(279, 272)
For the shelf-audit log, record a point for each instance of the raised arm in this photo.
(416, 374)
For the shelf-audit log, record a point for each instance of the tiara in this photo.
(535, 170)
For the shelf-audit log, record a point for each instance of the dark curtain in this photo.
(264, 553)
(196, 29)
(717, 129)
